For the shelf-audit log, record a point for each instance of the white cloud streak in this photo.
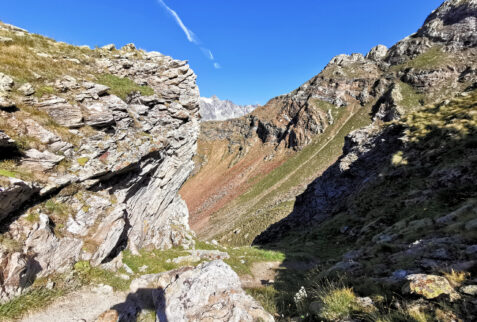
(189, 34)
(191, 37)
(207, 53)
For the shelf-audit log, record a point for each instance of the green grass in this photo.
(266, 296)
(7, 173)
(122, 87)
(55, 207)
(96, 275)
(432, 58)
(337, 302)
(324, 106)
(35, 299)
(82, 161)
(44, 90)
(9, 244)
(7, 168)
(10, 169)
(250, 255)
(156, 260)
(410, 98)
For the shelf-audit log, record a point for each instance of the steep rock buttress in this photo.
(93, 151)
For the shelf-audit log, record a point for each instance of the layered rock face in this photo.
(92, 157)
(215, 109)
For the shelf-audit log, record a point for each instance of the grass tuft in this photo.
(337, 301)
(122, 87)
(82, 161)
(456, 278)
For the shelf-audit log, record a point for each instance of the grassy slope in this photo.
(272, 197)
(269, 196)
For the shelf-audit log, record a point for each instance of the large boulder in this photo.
(98, 115)
(38, 160)
(210, 291)
(27, 89)
(428, 286)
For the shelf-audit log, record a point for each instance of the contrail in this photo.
(189, 34)
(207, 53)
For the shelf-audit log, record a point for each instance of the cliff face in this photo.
(95, 145)
(300, 134)
(215, 109)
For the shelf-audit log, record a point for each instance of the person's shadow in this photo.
(143, 299)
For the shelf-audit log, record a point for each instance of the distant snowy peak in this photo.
(215, 109)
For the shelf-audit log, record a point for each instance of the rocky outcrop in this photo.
(454, 23)
(428, 286)
(218, 296)
(101, 164)
(388, 108)
(215, 109)
(6, 141)
(213, 292)
(452, 26)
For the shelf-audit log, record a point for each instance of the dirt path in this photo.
(84, 305)
(263, 273)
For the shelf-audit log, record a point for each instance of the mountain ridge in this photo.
(215, 109)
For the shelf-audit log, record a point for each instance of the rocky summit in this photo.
(125, 196)
(215, 109)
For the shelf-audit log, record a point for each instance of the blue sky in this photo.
(264, 47)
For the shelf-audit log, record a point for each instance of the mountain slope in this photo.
(390, 227)
(253, 168)
(400, 201)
